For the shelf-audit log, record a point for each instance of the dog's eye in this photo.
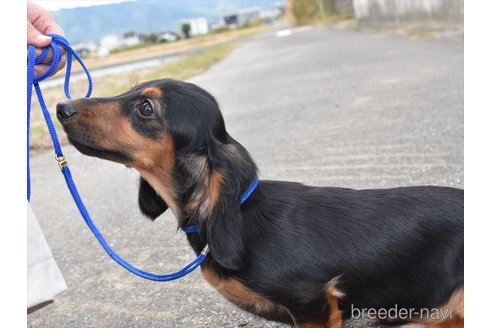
(145, 109)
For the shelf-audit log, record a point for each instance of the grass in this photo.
(181, 69)
(143, 52)
(110, 85)
(195, 64)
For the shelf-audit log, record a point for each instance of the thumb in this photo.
(36, 38)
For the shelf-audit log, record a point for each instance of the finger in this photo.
(42, 19)
(40, 69)
(61, 64)
(36, 38)
(54, 28)
(50, 55)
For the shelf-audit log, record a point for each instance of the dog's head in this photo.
(173, 133)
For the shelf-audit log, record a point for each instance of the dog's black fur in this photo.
(289, 243)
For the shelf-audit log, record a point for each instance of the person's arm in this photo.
(40, 23)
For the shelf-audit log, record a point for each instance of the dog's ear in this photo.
(224, 234)
(150, 203)
(225, 225)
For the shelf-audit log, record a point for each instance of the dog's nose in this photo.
(64, 111)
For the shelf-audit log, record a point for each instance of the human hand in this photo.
(39, 23)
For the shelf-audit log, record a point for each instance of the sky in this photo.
(53, 5)
(82, 19)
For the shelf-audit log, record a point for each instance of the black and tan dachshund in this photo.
(308, 256)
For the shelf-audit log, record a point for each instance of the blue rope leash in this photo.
(58, 41)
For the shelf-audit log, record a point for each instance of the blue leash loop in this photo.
(59, 41)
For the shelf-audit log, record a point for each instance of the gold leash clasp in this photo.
(205, 250)
(61, 161)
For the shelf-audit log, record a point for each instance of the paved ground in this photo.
(323, 107)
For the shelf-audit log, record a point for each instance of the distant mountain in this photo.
(144, 16)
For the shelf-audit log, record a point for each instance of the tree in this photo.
(302, 12)
(185, 27)
(151, 38)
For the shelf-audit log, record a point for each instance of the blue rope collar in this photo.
(32, 81)
(244, 197)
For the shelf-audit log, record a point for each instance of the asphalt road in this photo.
(323, 107)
